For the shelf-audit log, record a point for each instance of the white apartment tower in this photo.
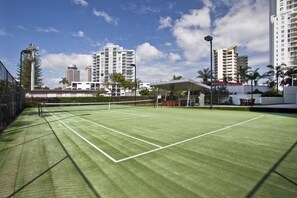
(283, 32)
(113, 59)
(225, 63)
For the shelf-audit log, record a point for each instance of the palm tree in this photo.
(226, 78)
(290, 73)
(276, 72)
(176, 77)
(205, 75)
(253, 76)
(64, 82)
(242, 75)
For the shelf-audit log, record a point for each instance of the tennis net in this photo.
(93, 106)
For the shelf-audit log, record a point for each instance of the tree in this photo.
(176, 77)
(289, 76)
(277, 72)
(127, 84)
(253, 75)
(144, 92)
(242, 75)
(26, 68)
(117, 80)
(64, 82)
(205, 75)
(226, 78)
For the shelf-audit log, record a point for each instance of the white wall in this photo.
(243, 89)
(272, 100)
(290, 95)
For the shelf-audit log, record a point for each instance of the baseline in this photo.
(187, 140)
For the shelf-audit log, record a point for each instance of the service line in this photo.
(187, 140)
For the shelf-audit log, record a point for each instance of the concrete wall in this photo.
(271, 100)
(290, 95)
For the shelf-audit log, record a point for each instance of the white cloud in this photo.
(81, 2)
(168, 44)
(3, 32)
(207, 3)
(80, 34)
(83, 36)
(174, 57)
(258, 60)
(189, 32)
(106, 17)
(195, 19)
(21, 27)
(246, 25)
(47, 30)
(165, 22)
(142, 9)
(62, 61)
(147, 52)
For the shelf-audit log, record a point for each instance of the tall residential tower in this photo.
(283, 32)
(113, 59)
(225, 64)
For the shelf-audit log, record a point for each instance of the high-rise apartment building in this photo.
(225, 64)
(242, 61)
(88, 74)
(113, 59)
(283, 32)
(72, 74)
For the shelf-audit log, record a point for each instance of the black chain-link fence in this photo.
(12, 97)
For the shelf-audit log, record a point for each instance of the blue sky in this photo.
(168, 35)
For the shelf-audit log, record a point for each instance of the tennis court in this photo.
(142, 151)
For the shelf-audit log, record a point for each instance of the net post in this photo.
(109, 106)
(38, 106)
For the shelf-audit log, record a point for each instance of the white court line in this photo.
(187, 140)
(124, 134)
(98, 149)
(157, 149)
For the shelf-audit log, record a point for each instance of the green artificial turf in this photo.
(149, 152)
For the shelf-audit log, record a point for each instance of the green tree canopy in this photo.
(242, 75)
(64, 82)
(25, 71)
(205, 75)
(176, 77)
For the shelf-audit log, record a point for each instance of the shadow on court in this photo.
(273, 170)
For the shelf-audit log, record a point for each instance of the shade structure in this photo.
(181, 85)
